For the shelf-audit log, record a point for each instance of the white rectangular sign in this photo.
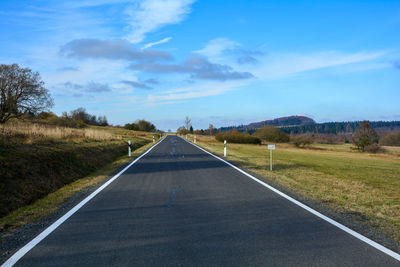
(271, 147)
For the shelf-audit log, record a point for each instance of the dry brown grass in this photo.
(34, 131)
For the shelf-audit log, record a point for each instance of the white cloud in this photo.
(165, 40)
(276, 66)
(196, 91)
(150, 15)
(215, 47)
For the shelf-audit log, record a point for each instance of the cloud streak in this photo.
(138, 85)
(165, 40)
(116, 49)
(197, 67)
(277, 66)
(206, 89)
(90, 87)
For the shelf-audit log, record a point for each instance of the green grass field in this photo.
(361, 185)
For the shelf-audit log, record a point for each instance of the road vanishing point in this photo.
(179, 205)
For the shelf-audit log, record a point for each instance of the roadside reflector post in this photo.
(129, 148)
(186, 136)
(270, 147)
(195, 139)
(224, 148)
(154, 140)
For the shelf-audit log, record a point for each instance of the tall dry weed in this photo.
(34, 131)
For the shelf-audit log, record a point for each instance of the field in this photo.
(38, 159)
(360, 186)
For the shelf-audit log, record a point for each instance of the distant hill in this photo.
(283, 121)
(278, 122)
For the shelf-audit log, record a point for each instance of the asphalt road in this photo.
(180, 206)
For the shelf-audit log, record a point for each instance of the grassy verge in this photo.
(362, 186)
(52, 202)
(38, 159)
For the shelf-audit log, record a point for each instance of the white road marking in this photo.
(316, 213)
(25, 249)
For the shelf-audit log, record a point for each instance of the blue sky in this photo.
(219, 62)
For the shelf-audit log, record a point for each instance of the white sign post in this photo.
(195, 139)
(129, 148)
(224, 148)
(270, 147)
(154, 140)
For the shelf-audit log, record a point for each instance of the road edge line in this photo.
(31, 244)
(316, 213)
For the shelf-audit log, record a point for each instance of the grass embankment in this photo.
(362, 186)
(53, 201)
(36, 160)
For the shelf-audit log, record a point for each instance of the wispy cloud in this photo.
(110, 49)
(198, 91)
(67, 68)
(151, 81)
(150, 15)
(216, 47)
(247, 56)
(90, 87)
(197, 67)
(276, 65)
(219, 49)
(165, 40)
(138, 85)
(94, 87)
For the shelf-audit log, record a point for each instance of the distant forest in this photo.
(340, 127)
(325, 128)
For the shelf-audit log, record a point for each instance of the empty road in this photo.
(178, 205)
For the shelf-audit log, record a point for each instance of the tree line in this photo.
(338, 127)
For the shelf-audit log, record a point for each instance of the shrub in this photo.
(131, 126)
(237, 137)
(80, 124)
(182, 130)
(364, 136)
(272, 134)
(46, 115)
(373, 148)
(62, 121)
(301, 141)
(140, 125)
(80, 114)
(390, 139)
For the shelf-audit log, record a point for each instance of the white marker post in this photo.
(195, 139)
(186, 136)
(270, 147)
(129, 148)
(224, 148)
(154, 140)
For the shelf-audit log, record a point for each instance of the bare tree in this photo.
(211, 129)
(188, 123)
(21, 91)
